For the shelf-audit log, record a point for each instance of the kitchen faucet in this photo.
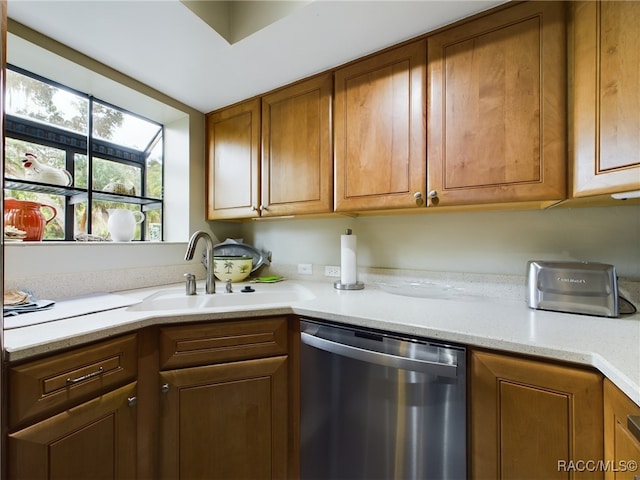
(210, 285)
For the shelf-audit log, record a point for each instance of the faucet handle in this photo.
(190, 285)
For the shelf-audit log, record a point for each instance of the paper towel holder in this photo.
(348, 286)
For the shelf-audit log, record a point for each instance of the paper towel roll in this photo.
(348, 261)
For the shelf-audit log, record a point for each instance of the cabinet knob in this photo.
(263, 208)
(433, 194)
(164, 388)
(418, 198)
(132, 401)
(253, 208)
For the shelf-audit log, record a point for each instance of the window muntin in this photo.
(126, 162)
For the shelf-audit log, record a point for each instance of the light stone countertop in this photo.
(611, 345)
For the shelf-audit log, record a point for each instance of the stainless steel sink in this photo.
(267, 295)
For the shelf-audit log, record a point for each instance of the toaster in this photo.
(573, 287)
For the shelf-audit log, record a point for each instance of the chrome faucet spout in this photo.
(210, 285)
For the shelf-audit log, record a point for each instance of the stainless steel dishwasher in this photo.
(377, 405)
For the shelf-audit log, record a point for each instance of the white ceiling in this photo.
(163, 44)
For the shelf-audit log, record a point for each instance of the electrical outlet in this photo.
(305, 269)
(331, 271)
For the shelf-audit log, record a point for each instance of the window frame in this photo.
(72, 143)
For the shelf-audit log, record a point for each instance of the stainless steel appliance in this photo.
(574, 287)
(377, 405)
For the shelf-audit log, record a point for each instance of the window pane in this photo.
(30, 98)
(154, 225)
(81, 178)
(54, 229)
(80, 213)
(122, 128)
(116, 177)
(154, 171)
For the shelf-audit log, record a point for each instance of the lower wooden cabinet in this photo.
(621, 445)
(209, 400)
(530, 419)
(227, 407)
(226, 421)
(96, 439)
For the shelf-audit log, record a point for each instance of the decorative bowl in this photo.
(235, 268)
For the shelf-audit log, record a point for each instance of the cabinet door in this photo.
(497, 115)
(606, 103)
(226, 421)
(621, 446)
(530, 419)
(379, 130)
(233, 160)
(96, 439)
(297, 160)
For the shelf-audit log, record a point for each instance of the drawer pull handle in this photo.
(73, 381)
(132, 401)
(633, 424)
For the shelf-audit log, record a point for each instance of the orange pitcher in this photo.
(27, 216)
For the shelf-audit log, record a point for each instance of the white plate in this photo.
(420, 289)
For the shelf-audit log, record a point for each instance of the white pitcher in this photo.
(122, 223)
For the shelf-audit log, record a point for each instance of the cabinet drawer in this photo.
(191, 345)
(52, 384)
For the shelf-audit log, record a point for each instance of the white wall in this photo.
(497, 242)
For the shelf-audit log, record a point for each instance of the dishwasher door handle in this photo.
(383, 359)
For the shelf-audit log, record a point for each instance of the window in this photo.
(114, 158)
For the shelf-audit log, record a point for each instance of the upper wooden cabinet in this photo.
(297, 156)
(497, 116)
(281, 143)
(379, 130)
(233, 161)
(606, 97)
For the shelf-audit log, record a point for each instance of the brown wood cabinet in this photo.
(272, 156)
(497, 115)
(379, 130)
(530, 418)
(73, 415)
(96, 439)
(297, 154)
(605, 97)
(206, 400)
(230, 419)
(233, 161)
(225, 412)
(621, 445)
